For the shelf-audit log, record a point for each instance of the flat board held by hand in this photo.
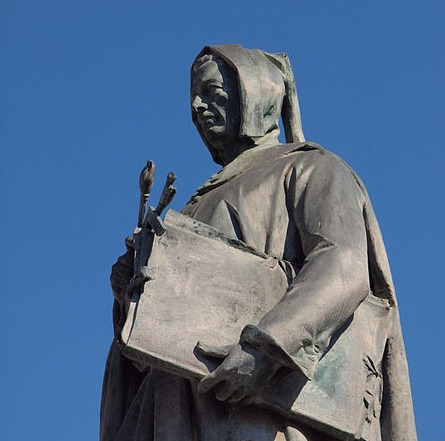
(206, 287)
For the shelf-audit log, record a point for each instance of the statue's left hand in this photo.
(122, 271)
(241, 377)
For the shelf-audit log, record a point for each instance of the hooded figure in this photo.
(298, 203)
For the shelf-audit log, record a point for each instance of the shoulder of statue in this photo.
(317, 162)
(310, 153)
(318, 153)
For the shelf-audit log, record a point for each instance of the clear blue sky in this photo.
(90, 89)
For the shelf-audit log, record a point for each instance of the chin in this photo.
(215, 132)
(216, 156)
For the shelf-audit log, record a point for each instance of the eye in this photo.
(217, 92)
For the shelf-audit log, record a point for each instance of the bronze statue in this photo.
(303, 207)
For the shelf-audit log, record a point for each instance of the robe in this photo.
(305, 206)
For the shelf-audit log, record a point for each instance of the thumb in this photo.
(212, 350)
(209, 382)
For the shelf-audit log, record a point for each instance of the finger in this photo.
(239, 395)
(245, 401)
(212, 350)
(250, 397)
(209, 382)
(118, 283)
(129, 243)
(225, 390)
(125, 260)
(122, 270)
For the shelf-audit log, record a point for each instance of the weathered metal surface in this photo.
(207, 287)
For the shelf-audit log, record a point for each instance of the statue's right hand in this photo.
(122, 270)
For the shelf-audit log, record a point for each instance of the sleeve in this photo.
(326, 207)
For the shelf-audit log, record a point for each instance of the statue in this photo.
(302, 206)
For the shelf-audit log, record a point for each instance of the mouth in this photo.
(208, 120)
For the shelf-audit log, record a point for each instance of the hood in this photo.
(266, 88)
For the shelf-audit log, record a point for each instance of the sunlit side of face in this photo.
(215, 103)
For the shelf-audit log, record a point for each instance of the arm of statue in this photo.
(331, 284)
(122, 271)
(334, 278)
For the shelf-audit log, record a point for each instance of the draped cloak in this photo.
(305, 206)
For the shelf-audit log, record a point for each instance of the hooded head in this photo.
(238, 96)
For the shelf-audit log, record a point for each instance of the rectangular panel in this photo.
(207, 287)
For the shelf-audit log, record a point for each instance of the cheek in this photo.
(221, 111)
(232, 113)
(220, 100)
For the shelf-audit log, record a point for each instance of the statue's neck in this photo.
(229, 153)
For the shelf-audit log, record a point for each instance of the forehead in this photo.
(206, 72)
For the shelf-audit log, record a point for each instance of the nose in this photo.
(198, 105)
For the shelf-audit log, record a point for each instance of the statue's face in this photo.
(215, 103)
